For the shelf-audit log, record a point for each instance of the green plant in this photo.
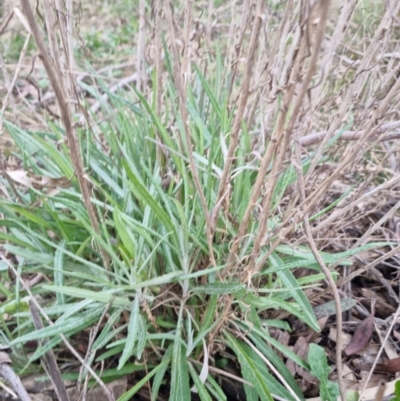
(396, 391)
(154, 234)
(198, 199)
(329, 391)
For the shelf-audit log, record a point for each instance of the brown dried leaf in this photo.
(391, 366)
(361, 336)
(301, 349)
(21, 177)
(29, 180)
(345, 337)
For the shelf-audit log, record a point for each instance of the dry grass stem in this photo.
(158, 48)
(181, 87)
(7, 372)
(328, 275)
(66, 116)
(141, 49)
(287, 131)
(243, 97)
(54, 372)
(381, 349)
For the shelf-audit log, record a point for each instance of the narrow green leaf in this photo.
(116, 351)
(396, 390)
(131, 392)
(179, 370)
(249, 368)
(14, 306)
(200, 387)
(63, 162)
(276, 387)
(210, 93)
(125, 236)
(289, 280)
(102, 296)
(60, 327)
(40, 257)
(142, 336)
(305, 253)
(277, 323)
(102, 340)
(14, 239)
(106, 374)
(215, 389)
(163, 133)
(264, 303)
(275, 343)
(51, 344)
(59, 271)
(133, 328)
(143, 195)
(210, 311)
(209, 321)
(161, 373)
(219, 288)
(114, 187)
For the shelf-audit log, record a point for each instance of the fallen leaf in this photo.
(391, 366)
(348, 374)
(346, 338)
(21, 177)
(329, 308)
(36, 181)
(361, 336)
(300, 348)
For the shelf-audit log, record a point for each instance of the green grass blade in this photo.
(200, 387)
(290, 282)
(249, 367)
(133, 329)
(158, 378)
(60, 327)
(144, 196)
(131, 392)
(99, 296)
(180, 390)
(219, 288)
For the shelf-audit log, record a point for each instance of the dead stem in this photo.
(66, 118)
(180, 85)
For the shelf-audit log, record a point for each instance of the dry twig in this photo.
(55, 374)
(67, 121)
(7, 372)
(180, 85)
